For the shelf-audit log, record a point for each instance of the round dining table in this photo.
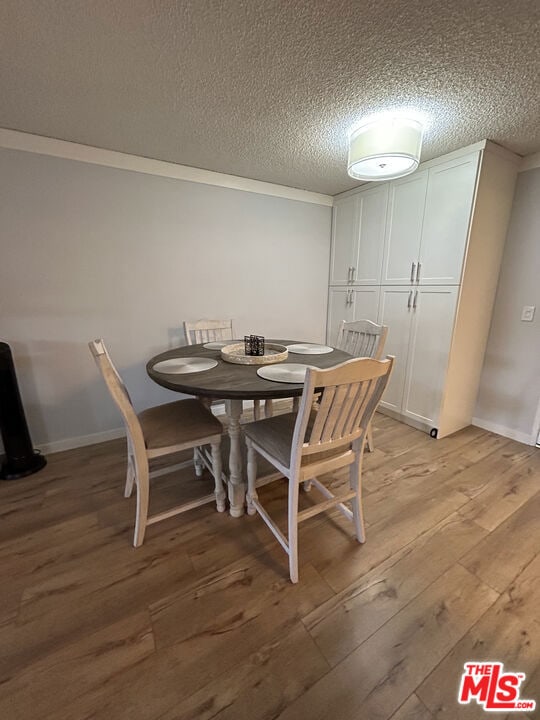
(235, 383)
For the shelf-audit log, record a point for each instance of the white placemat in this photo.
(284, 372)
(181, 366)
(309, 349)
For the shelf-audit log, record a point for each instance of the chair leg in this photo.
(268, 408)
(256, 409)
(370, 445)
(218, 480)
(294, 487)
(306, 485)
(355, 480)
(197, 463)
(130, 477)
(143, 490)
(251, 477)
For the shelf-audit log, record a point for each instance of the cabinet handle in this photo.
(353, 274)
(409, 300)
(347, 298)
(418, 272)
(351, 300)
(415, 299)
(413, 269)
(349, 274)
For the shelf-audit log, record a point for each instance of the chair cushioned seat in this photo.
(177, 422)
(275, 435)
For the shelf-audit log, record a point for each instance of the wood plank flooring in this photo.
(202, 622)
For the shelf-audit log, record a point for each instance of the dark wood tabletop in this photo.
(230, 381)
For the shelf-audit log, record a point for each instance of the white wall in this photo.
(90, 251)
(509, 393)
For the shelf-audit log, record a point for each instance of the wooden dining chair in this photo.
(312, 442)
(159, 431)
(363, 338)
(203, 331)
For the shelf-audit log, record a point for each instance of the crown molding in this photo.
(26, 142)
(479, 146)
(522, 164)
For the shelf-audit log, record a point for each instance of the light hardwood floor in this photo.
(202, 621)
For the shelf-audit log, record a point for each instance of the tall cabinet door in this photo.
(404, 229)
(431, 334)
(449, 203)
(367, 264)
(340, 307)
(395, 310)
(344, 240)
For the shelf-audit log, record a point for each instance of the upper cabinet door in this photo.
(358, 237)
(449, 203)
(344, 240)
(367, 265)
(404, 229)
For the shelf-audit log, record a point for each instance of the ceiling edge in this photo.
(530, 162)
(27, 142)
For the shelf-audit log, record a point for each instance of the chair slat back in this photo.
(203, 331)
(362, 338)
(349, 395)
(118, 392)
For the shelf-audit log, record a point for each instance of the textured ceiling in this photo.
(267, 89)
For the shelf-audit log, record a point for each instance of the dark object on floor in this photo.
(20, 457)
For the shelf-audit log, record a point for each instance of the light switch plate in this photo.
(527, 314)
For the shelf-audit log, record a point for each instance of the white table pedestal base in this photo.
(236, 485)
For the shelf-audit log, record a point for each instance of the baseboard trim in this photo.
(80, 441)
(404, 419)
(95, 438)
(504, 431)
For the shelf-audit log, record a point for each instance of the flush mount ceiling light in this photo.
(385, 148)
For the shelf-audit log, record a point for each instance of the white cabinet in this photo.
(350, 304)
(421, 322)
(344, 228)
(371, 227)
(428, 224)
(406, 203)
(449, 202)
(358, 237)
(339, 308)
(432, 320)
(425, 250)
(395, 312)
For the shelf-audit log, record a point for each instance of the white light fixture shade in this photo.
(385, 148)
